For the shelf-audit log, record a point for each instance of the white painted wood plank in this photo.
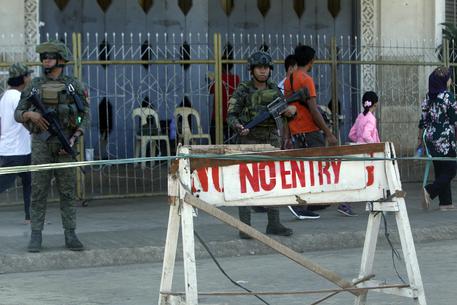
(368, 253)
(169, 258)
(190, 268)
(187, 223)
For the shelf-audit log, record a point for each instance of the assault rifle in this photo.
(275, 109)
(54, 129)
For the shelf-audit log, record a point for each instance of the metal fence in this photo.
(162, 71)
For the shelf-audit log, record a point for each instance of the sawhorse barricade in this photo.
(315, 179)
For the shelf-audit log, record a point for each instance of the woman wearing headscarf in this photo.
(437, 128)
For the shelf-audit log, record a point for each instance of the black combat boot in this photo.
(72, 242)
(35, 241)
(258, 209)
(274, 227)
(245, 216)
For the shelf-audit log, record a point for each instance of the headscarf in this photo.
(437, 81)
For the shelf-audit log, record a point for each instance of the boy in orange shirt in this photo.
(305, 128)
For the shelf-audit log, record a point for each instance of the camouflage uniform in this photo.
(245, 103)
(54, 95)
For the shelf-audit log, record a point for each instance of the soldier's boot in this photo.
(35, 241)
(72, 242)
(245, 216)
(274, 227)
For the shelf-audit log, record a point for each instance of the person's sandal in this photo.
(426, 201)
(448, 207)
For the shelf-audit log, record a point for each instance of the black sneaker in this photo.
(35, 241)
(303, 213)
(279, 230)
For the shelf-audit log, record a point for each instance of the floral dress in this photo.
(438, 119)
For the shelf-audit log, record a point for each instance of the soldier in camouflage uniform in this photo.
(54, 91)
(250, 98)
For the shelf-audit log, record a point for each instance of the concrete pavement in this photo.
(139, 284)
(128, 231)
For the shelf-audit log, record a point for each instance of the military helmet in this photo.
(18, 69)
(260, 58)
(54, 46)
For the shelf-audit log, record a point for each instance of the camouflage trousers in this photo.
(43, 152)
(261, 135)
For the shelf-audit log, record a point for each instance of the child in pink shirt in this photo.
(364, 129)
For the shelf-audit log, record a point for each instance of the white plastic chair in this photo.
(185, 132)
(141, 141)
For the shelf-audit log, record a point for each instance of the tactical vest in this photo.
(257, 103)
(54, 95)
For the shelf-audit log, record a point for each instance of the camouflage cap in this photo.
(18, 69)
(54, 46)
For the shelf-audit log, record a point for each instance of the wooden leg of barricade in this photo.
(406, 237)
(397, 205)
(409, 253)
(169, 255)
(188, 245)
(415, 289)
(179, 215)
(369, 248)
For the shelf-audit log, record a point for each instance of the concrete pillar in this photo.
(21, 34)
(440, 17)
(31, 28)
(369, 33)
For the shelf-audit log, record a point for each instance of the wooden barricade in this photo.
(207, 183)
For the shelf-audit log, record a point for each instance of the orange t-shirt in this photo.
(303, 122)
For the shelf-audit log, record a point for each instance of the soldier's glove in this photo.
(241, 130)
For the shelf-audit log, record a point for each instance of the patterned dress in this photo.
(438, 119)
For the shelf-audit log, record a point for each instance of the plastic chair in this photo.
(141, 141)
(185, 132)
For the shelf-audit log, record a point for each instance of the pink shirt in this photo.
(364, 129)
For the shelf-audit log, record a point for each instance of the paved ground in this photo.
(139, 284)
(128, 231)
